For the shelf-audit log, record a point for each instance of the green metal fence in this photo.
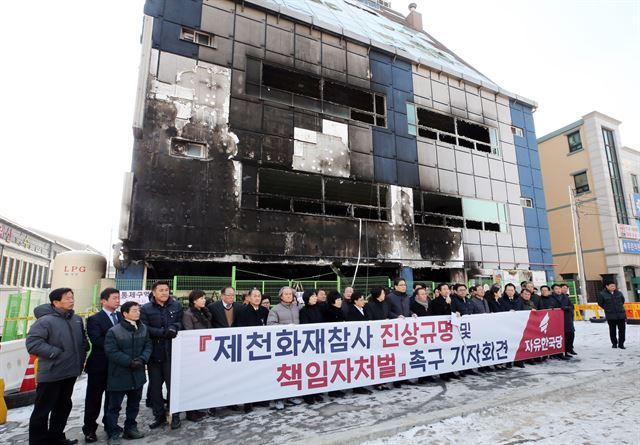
(182, 285)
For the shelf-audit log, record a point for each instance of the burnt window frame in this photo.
(380, 211)
(455, 220)
(415, 128)
(254, 86)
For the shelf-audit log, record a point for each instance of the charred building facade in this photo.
(324, 132)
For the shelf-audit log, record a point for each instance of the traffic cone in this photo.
(29, 380)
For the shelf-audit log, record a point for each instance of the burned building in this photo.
(318, 133)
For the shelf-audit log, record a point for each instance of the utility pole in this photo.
(575, 218)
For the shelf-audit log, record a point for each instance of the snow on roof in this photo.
(384, 29)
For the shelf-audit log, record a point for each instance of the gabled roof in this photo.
(383, 29)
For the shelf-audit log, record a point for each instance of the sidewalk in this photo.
(358, 418)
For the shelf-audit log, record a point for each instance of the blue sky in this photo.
(70, 73)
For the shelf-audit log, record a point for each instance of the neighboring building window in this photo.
(517, 131)
(526, 202)
(581, 182)
(634, 183)
(3, 268)
(200, 38)
(441, 127)
(574, 142)
(616, 179)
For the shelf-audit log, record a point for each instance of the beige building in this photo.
(587, 159)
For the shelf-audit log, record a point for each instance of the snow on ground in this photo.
(593, 398)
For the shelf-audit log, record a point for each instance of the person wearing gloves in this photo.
(162, 316)
(128, 347)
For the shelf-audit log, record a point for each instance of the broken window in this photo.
(198, 37)
(305, 91)
(289, 191)
(441, 127)
(188, 149)
(433, 209)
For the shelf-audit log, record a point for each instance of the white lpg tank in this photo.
(79, 270)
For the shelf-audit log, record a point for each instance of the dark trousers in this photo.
(113, 411)
(621, 325)
(96, 388)
(52, 398)
(569, 337)
(159, 374)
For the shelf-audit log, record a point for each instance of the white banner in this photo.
(139, 296)
(222, 367)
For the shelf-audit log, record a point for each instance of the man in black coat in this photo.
(96, 367)
(253, 314)
(224, 313)
(612, 301)
(460, 303)
(563, 302)
(420, 304)
(163, 317)
(441, 305)
(510, 300)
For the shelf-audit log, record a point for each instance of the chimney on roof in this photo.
(414, 19)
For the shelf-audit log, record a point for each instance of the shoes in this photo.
(66, 441)
(397, 384)
(453, 375)
(614, 346)
(133, 433)
(211, 412)
(567, 355)
(279, 405)
(91, 437)
(426, 379)
(470, 372)
(195, 416)
(445, 378)
(309, 400)
(159, 421)
(338, 394)
(563, 357)
(572, 352)
(361, 390)
(114, 440)
(509, 365)
(519, 364)
(248, 407)
(622, 347)
(318, 398)
(175, 421)
(296, 401)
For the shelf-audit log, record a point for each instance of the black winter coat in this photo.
(507, 304)
(549, 302)
(376, 310)
(334, 314)
(563, 302)
(248, 316)
(463, 306)
(440, 306)
(613, 305)
(354, 314)
(420, 310)
(158, 319)
(399, 304)
(311, 314)
(122, 344)
(494, 305)
(196, 318)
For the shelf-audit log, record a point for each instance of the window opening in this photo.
(616, 179)
(581, 182)
(188, 149)
(526, 202)
(197, 37)
(517, 131)
(575, 144)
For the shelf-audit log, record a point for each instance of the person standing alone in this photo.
(612, 301)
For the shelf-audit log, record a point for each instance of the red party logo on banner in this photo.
(544, 333)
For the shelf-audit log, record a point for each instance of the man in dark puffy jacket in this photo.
(461, 303)
(612, 301)
(128, 347)
(163, 317)
(59, 341)
(510, 300)
(398, 300)
(563, 302)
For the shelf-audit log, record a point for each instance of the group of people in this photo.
(135, 342)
